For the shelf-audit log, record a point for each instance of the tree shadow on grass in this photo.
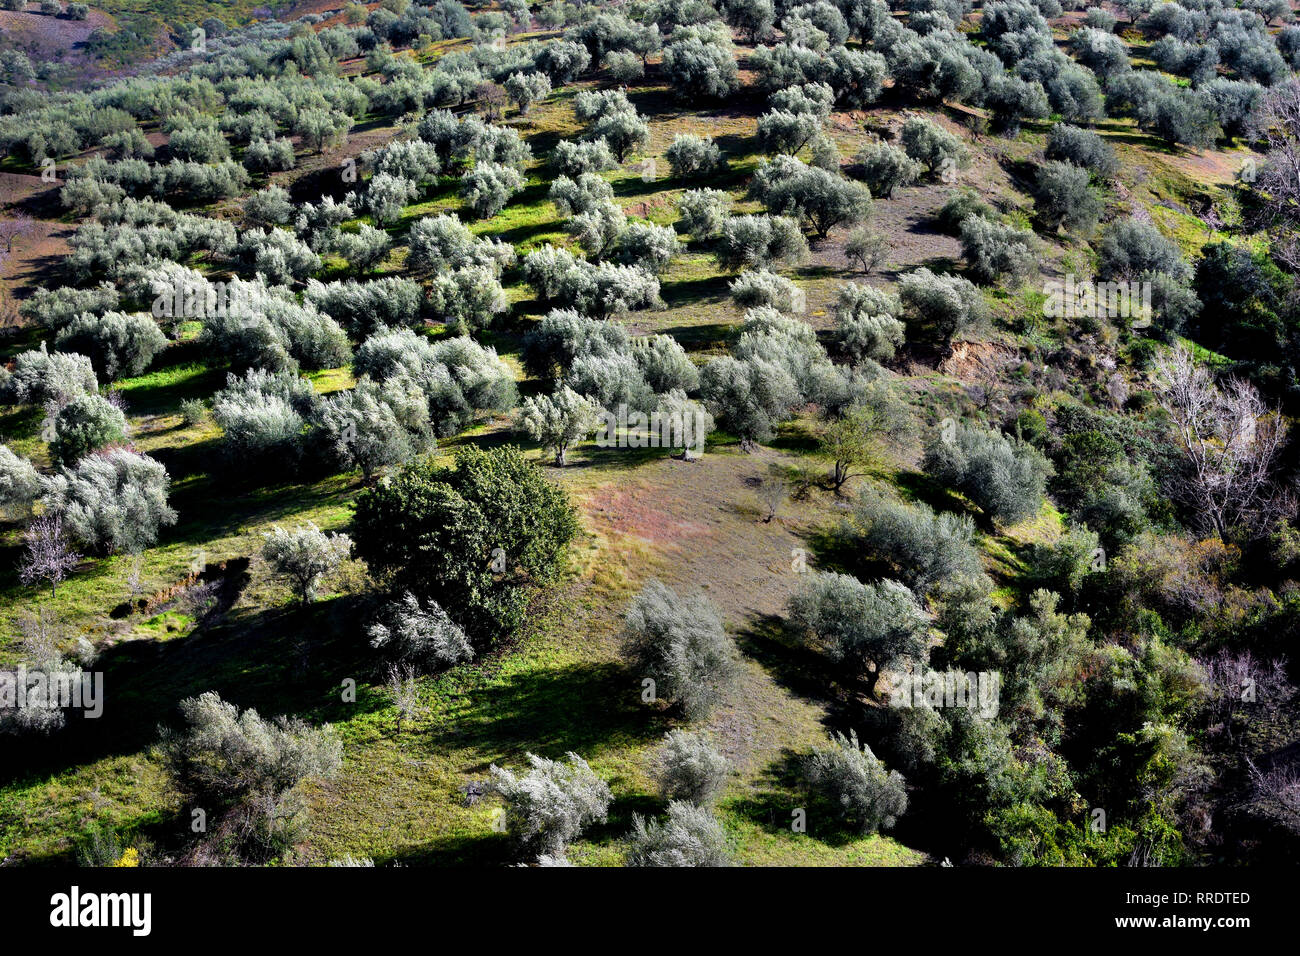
(710, 289)
(581, 707)
(251, 659)
(793, 665)
(485, 849)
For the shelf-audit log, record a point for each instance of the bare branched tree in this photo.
(1278, 177)
(1239, 683)
(13, 228)
(1279, 786)
(1229, 440)
(49, 556)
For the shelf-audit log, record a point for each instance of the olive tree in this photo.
(40, 377)
(112, 501)
(866, 322)
(525, 89)
(487, 188)
(938, 307)
(20, 482)
(304, 556)
(546, 809)
(1065, 197)
(867, 629)
(687, 767)
(688, 836)
(120, 344)
(573, 158)
(419, 633)
(854, 784)
(558, 420)
(87, 423)
(704, 211)
(993, 250)
(1004, 476)
(701, 67)
(885, 168)
(939, 151)
(760, 241)
(679, 644)
(693, 157)
(762, 287)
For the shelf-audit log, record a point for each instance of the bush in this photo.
(688, 768)
(120, 345)
(193, 412)
(867, 324)
(86, 424)
(993, 250)
(690, 836)
(547, 809)
(866, 628)
(304, 556)
(112, 502)
(680, 644)
(855, 786)
(704, 211)
(693, 157)
(420, 634)
(886, 167)
(938, 307)
(924, 548)
(432, 531)
(1004, 476)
